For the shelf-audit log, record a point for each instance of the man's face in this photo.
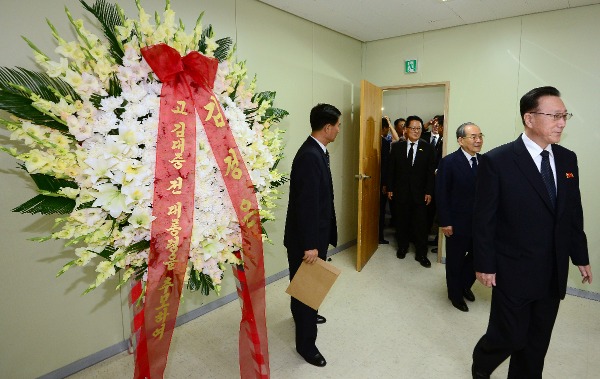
(400, 127)
(331, 131)
(540, 124)
(472, 141)
(413, 131)
(435, 128)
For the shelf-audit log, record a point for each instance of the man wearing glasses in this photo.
(527, 223)
(410, 185)
(455, 194)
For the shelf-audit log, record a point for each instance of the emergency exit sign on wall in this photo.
(410, 66)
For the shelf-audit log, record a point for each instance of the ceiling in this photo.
(371, 20)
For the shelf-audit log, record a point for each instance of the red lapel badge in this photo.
(569, 175)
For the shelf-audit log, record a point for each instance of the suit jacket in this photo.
(517, 234)
(310, 222)
(411, 183)
(385, 159)
(455, 193)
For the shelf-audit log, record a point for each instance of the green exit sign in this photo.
(410, 66)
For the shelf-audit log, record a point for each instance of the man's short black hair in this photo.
(530, 101)
(399, 120)
(323, 114)
(412, 118)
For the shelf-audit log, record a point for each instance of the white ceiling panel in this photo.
(370, 20)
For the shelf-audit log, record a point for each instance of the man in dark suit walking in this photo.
(436, 140)
(527, 223)
(410, 185)
(455, 195)
(310, 225)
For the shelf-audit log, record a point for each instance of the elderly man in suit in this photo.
(527, 224)
(310, 225)
(410, 185)
(455, 195)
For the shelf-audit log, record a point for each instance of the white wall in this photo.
(45, 324)
(491, 65)
(425, 102)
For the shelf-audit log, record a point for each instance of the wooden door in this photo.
(371, 101)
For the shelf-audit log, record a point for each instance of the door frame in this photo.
(446, 86)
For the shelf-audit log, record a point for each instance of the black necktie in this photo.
(433, 141)
(327, 157)
(411, 153)
(474, 165)
(548, 176)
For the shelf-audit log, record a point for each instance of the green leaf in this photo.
(17, 87)
(21, 107)
(275, 114)
(37, 82)
(108, 16)
(200, 282)
(264, 96)
(50, 183)
(107, 252)
(114, 90)
(138, 246)
(46, 205)
(222, 51)
(207, 32)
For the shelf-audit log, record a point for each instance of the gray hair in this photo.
(460, 132)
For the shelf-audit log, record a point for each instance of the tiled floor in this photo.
(392, 320)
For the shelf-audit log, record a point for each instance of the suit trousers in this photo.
(519, 329)
(383, 200)
(411, 220)
(305, 318)
(460, 274)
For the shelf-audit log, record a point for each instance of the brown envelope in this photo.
(312, 282)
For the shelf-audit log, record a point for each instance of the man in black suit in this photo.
(410, 184)
(527, 223)
(455, 195)
(435, 139)
(310, 225)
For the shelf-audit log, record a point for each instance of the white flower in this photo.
(110, 199)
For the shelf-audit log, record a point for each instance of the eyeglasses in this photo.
(414, 129)
(474, 137)
(556, 116)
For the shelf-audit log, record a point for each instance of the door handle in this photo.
(362, 176)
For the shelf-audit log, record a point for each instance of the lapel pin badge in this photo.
(569, 175)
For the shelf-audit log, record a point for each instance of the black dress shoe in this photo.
(315, 360)
(478, 375)
(468, 294)
(434, 250)
(321, 319)
(401, 253)
(423, 261)
(460, 305)
(383, 241)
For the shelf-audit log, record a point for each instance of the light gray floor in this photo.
(392, 320)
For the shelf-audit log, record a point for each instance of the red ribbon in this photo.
(187, 90)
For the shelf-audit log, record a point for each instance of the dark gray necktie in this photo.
(433, 141)
(474, 165)
(548, 176)
(327, 157)
(411, 153)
